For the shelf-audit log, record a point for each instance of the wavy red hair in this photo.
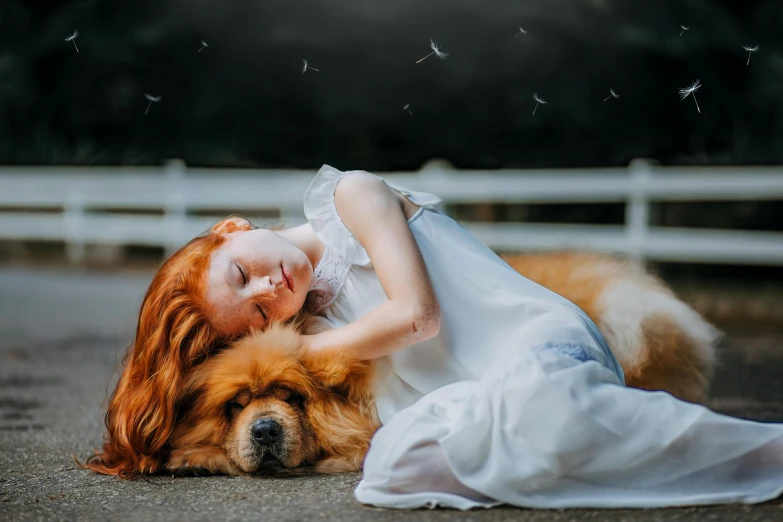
(172, 336)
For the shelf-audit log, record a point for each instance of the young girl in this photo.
(491, 389)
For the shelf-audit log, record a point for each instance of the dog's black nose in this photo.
(266, 432)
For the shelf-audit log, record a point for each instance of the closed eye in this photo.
(242, 273)
(262, 312)
(294, 399)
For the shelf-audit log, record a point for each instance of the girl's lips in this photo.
(289, 281)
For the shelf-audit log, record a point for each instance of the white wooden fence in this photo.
(158, 206)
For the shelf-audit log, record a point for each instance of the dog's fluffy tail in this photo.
(660, 342)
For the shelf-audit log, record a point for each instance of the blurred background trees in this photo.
(243, 100)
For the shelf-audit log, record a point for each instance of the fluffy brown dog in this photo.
(263, 403)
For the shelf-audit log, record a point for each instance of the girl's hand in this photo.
(329, 365)
(311, 330)
(308, 344)
(317, 345)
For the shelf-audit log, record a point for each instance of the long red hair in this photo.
(172, 336)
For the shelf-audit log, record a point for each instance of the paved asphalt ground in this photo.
(60, 335)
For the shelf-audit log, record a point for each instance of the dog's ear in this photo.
(342, 375)
(333, 369)
(328, 369)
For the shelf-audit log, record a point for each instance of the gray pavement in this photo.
(60, 335)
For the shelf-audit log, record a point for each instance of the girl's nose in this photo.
(266, 288)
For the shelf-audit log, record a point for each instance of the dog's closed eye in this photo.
(233, 407)
(293, 398)
(238, 403)
(296, 400)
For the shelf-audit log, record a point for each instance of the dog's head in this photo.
(264, 404)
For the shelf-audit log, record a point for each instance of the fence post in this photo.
(73, 216)
(433, 175)
(176, 207)
(637, 210)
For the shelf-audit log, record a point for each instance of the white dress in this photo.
(518, 399)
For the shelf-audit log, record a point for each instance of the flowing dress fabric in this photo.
(518, 399)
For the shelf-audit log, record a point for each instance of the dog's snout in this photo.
(266, 431)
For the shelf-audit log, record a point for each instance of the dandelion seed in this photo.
(408, 108)
(750, 50)
(684, 28)
(437, 52)
(521, 31)
(152, 99)
(305, 67)
(612, 95)
(203, 45)
(538, 100)
(687, 91)
(72, 39)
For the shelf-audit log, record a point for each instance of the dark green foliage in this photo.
(244, 102)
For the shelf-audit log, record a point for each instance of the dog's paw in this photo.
(211, 459)
(332, 465)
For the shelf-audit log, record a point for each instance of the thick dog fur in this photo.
(324, 406)
(660, 342)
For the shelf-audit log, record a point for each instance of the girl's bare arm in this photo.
(373, 213)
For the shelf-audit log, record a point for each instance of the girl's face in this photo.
(255, 277)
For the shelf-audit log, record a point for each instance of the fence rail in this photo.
(160, 206)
